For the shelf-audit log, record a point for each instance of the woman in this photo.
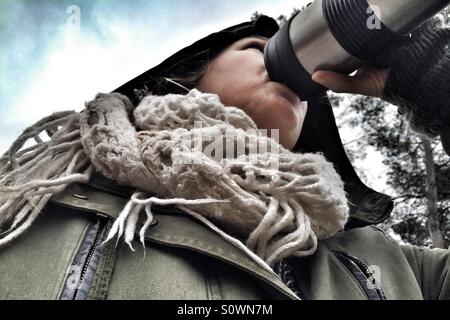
(193, 218)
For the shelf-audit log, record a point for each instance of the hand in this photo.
(368, 81)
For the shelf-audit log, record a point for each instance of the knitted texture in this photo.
(419, 77)
(162, 149)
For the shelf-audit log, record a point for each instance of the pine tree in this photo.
(282, 19)
(418, 169)
(255, 16)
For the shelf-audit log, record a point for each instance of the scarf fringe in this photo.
(30, 176)
(126, 222)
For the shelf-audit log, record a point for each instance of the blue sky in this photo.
(49, 62)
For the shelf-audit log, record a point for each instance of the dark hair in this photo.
(180, 77)
(188, 71)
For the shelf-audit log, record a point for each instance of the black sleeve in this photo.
(419, 80)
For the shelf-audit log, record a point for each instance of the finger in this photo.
(338, 82)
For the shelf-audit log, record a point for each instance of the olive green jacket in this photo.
(186, 260)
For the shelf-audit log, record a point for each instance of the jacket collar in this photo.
(172, 230)
(183, 232)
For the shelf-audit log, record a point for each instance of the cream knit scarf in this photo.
(280, 202)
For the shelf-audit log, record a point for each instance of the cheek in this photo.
(235, 77)
(241, 81)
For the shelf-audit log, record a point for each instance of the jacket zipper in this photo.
(285, 272)
(108, 189)
(92, 250)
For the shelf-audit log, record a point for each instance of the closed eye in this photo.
(256, 46)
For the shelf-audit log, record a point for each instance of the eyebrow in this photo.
(245, 41)
(253, 38)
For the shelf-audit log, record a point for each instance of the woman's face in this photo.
(239, 77)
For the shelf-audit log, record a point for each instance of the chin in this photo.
(288, 113)
(289, 136)
(286, 117)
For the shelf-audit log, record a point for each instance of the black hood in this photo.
(209, 46)
(319, 133)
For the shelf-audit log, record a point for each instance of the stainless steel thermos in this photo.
(340, 35)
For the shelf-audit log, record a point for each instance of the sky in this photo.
(57, 54)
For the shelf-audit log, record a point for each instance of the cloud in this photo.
(49, 66)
